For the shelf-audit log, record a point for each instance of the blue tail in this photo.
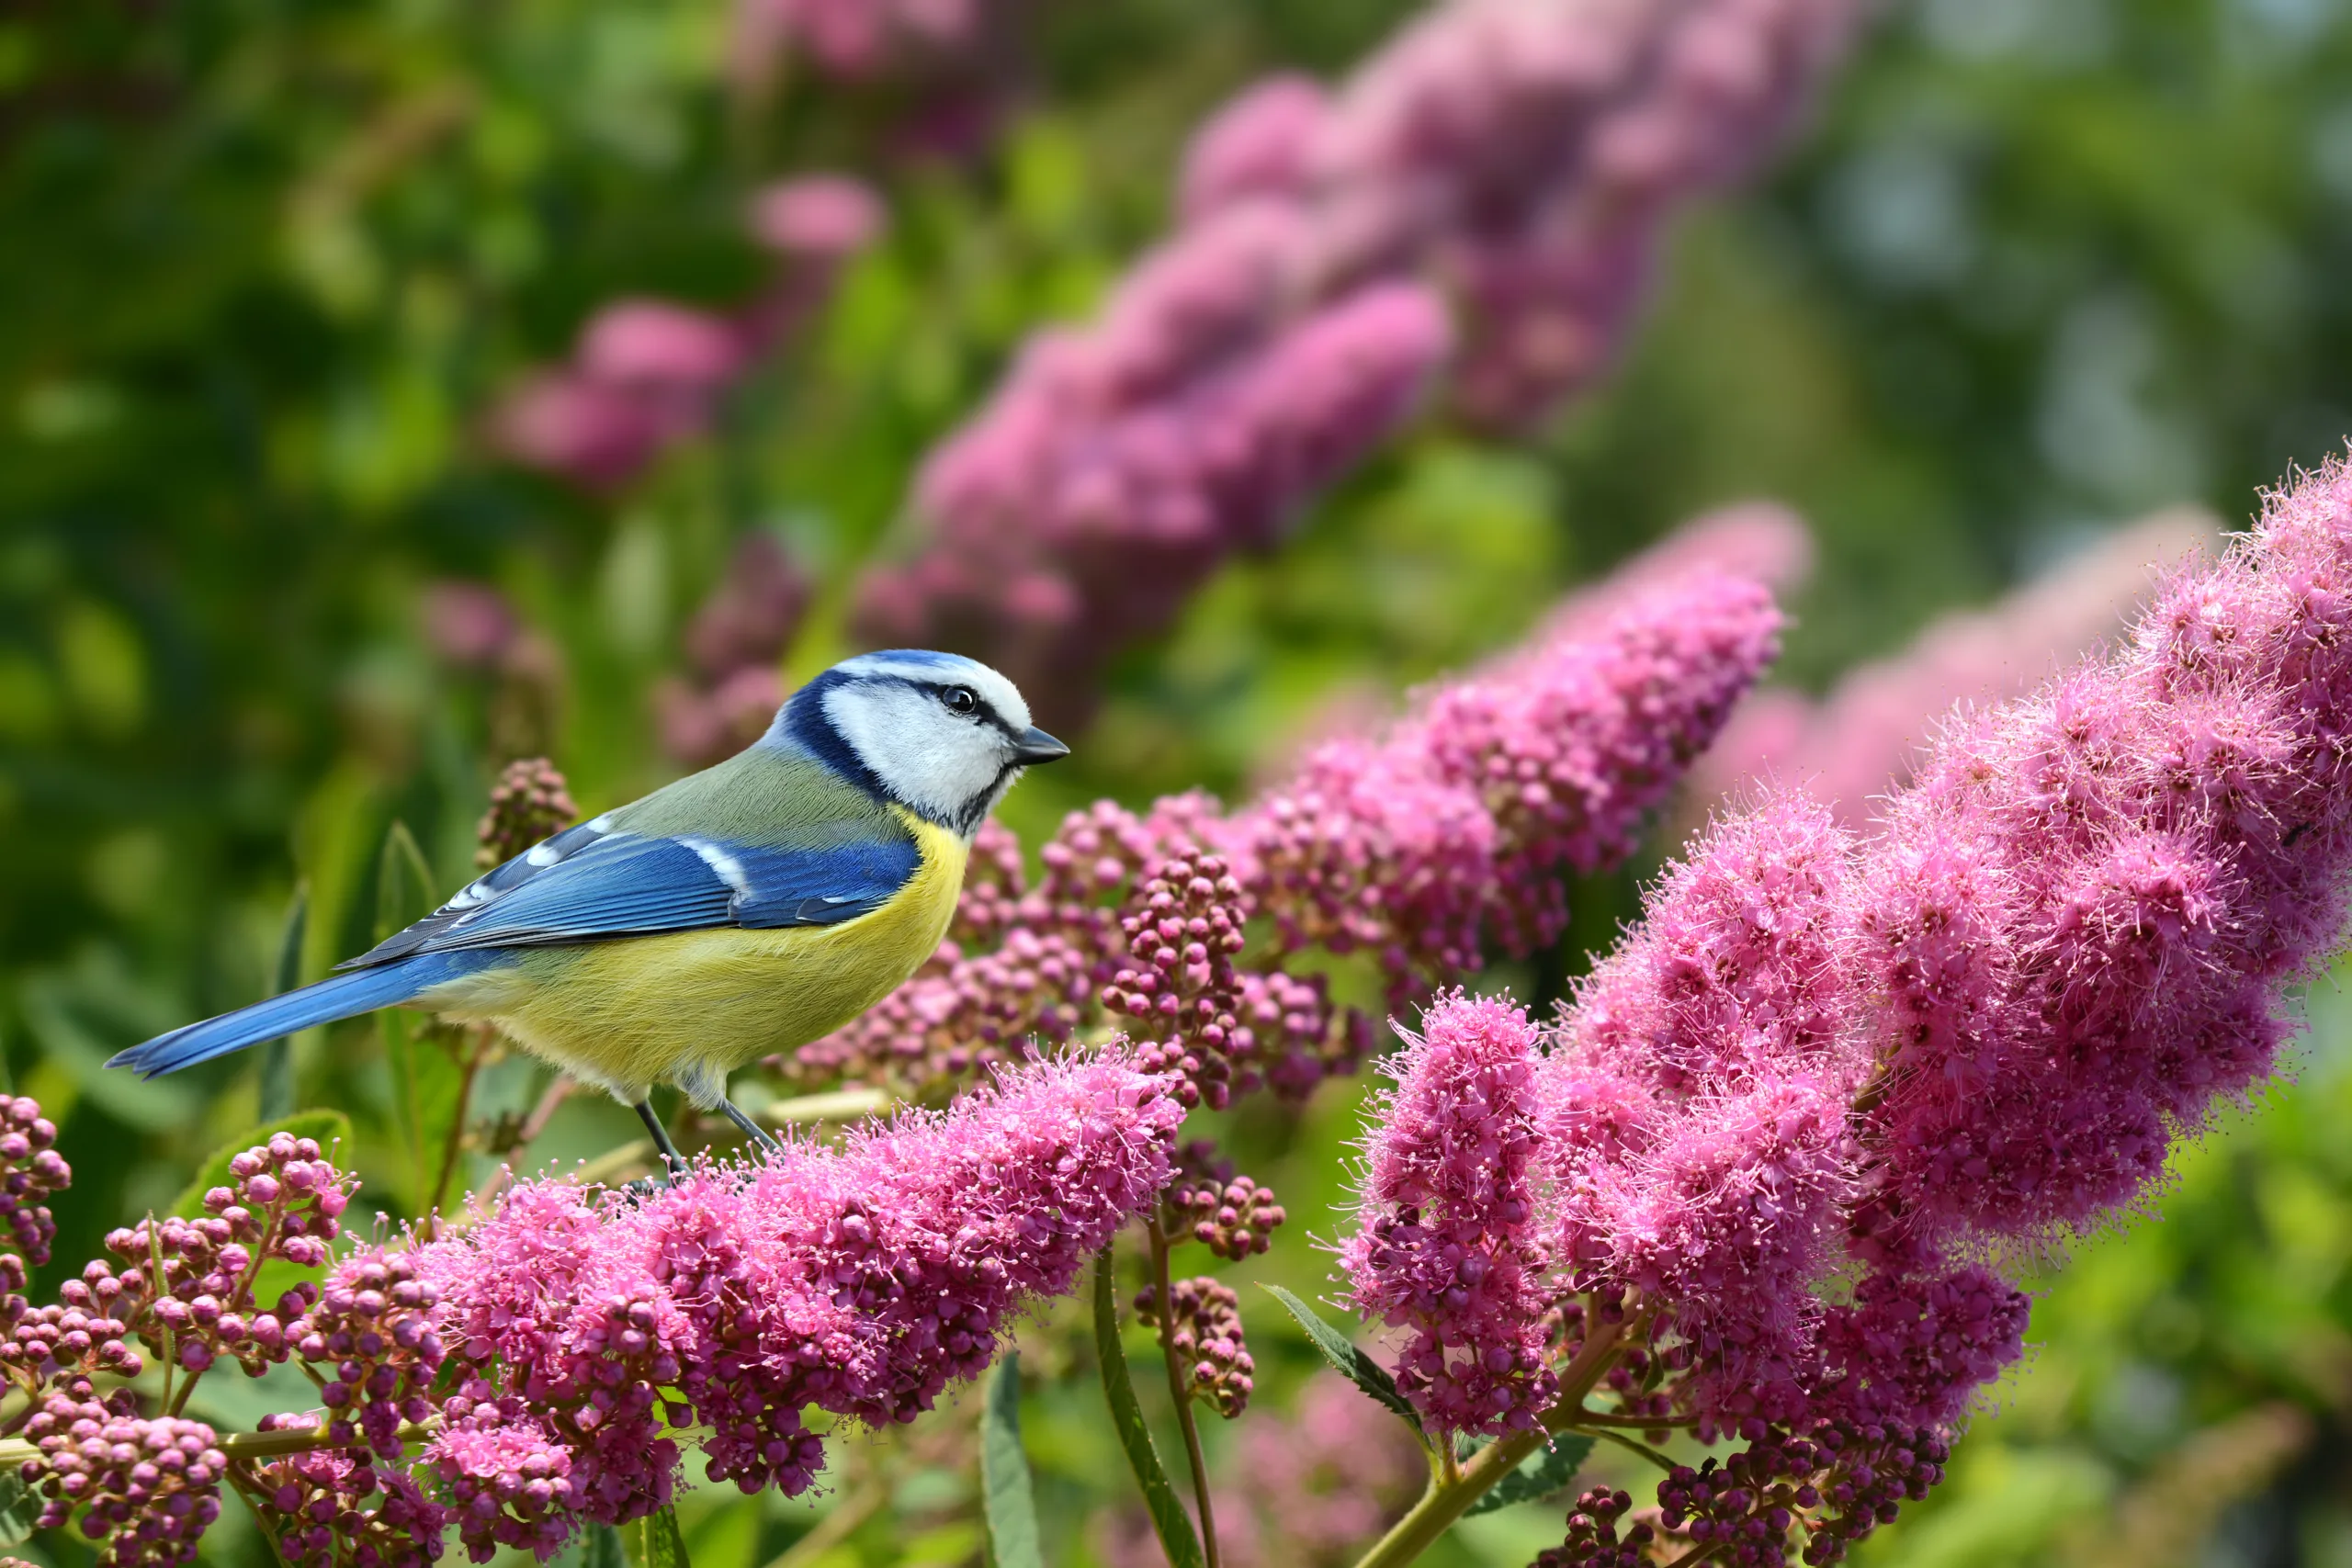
(338, 996)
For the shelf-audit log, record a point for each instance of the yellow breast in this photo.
(690, 1007)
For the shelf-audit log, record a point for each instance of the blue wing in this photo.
(323, 1001)
(585, 886)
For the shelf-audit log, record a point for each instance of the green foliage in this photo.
(1007, 1499)
(654, 1542)
(1347, 1358)
(1169, 1521)
(1542, 1474)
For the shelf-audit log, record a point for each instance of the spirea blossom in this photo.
(1455, 830)
(2130, 867)
(34, 1170)
(1450, 1247)
(1204, 1333)
(1786, 1126)
(529, 802)
(1865, 736)
(1234, 1219)
(1477, 205)
(147, 1487)
(543, 1364)
(867, 41)
(867, 1276)
(328, 1509)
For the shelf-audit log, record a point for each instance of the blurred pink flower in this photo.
(752, 614)
(825, 218)
(861, 40)
(468, 624)
(699, 727)
(646, 374)
(1862, 738)
(661, 350)
(1513, 159)
(566, 424)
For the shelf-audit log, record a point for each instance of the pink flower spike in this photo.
(1448, 1249)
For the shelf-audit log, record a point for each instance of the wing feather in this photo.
(623, 884)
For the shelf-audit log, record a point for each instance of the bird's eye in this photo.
(959, 699)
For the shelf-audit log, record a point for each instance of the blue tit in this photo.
(741, 912)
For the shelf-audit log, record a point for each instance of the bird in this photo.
(738, 913)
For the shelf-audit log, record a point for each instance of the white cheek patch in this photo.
(936, 762)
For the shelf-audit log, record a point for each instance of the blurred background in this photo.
(319, 503)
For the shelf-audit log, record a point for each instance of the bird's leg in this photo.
(751, 1128)
(671, 1158)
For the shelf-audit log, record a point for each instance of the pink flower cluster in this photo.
(1454, 831)
(1528, 155)
(1862, 738)
(1423, 847)
(649, 373)
(1449, 1248)
(548, 1355)
(2069, 940)
(734, 640)
(1515, 159)
(1205, 1335)
(35, 1170)
(529, 802)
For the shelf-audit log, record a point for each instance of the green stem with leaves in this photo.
(1180, 1389)
(1447, 1501)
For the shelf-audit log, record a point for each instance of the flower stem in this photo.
(254, 1445)
(1179, 1391)
(837, 1525)
(470, 1046)
(1447, 1501)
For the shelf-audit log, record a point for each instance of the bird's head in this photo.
(941, 735)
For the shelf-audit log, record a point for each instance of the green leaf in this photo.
(1168, 1516)
(1010, 1506)
(18, 1509)
(1647, 1452)
(1346, 1356)
(654, 1542)
(326, 1126)
(1542, 1474)
(278, 1055)
(600, 1546)
(404, 883)
(404, 895)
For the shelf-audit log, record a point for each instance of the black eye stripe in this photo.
(981, 707)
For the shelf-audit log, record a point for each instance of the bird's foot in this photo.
(749, 1128)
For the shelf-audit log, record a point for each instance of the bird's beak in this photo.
(1038, 746)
